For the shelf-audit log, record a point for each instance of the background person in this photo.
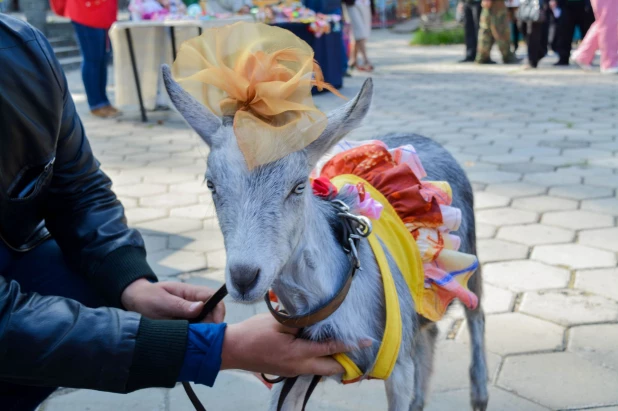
(572, 13)
(471, 11)
(92, 20)
(512, 6)
(603, 35)
(494, 27)
(360, 14)
(534, 21)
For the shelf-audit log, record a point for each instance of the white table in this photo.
(140, 47)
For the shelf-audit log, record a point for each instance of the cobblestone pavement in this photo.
(541, 148)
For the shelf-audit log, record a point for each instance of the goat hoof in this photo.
(417, 405)
(479, 405)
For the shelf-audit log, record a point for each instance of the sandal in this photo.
(368, 68)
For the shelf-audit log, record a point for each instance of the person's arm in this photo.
(82, 213)
(54, 341)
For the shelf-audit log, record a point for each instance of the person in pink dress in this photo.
(603, 35)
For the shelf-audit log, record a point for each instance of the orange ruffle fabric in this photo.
(425, 209)
(397, 182)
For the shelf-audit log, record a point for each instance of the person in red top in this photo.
(92, 20)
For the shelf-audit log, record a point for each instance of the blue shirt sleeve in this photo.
(203, 356)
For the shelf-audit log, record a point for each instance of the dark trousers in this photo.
(42, 270)
(515, 35)
(532, 33)
(514, 28)
(537, 39)
(472, 17)
(575, 13)
(95, 47)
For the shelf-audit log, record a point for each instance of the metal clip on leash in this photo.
(209, 305)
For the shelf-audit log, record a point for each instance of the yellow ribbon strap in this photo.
(390, 231)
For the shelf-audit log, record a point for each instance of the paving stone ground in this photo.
(541, 148)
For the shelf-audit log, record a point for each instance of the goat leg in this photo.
(399, 386)
(423, 363)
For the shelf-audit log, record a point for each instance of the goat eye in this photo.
(210, 186)
(299, 189)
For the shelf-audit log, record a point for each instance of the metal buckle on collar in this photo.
(355, 227)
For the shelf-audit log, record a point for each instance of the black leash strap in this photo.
(287, 388)
(314, 382)
(209, 305)
(193, 397)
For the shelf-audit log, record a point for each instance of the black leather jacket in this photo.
(51, 184)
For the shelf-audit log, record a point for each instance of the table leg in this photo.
(173, 36)
(138, 87)
(199, 31)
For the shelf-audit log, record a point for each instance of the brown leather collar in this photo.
(354, 228)
(320, 313)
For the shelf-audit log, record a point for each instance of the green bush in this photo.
(435, 38)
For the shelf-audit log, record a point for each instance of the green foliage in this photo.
(448, 16)
(435, 38)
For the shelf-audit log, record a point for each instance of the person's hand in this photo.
(169, 300)
(261, 344)
(244, 10)
(486, 4)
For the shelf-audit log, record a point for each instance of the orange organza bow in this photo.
(262, 76)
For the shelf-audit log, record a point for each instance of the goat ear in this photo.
(341, 121)
(202, 120)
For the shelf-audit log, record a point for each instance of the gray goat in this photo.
(278, 235)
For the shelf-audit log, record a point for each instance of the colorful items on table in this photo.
(160, 10)
(319, 24)
(147, 10)
(320, 27)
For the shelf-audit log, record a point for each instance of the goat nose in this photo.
(244, 277)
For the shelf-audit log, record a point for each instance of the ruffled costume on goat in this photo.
(425, 209)
(262, 77)
(414, 221)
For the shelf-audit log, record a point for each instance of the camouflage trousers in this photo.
(494, 27)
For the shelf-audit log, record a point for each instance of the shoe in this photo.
(560, 63)
(347, 73)
(488, 61)
(512, 59)
(584, 66)
(105, 112)
(466, 60)
(611, 70)
(113, 111)
(529, 66)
